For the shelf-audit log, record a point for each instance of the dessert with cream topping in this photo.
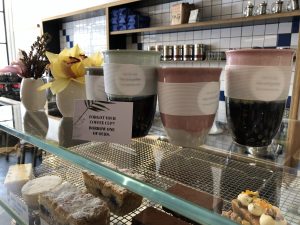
(249, 207)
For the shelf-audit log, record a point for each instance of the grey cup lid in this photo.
(94, 71)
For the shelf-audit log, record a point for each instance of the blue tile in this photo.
(283, 40)
(288, 102)
(71, 44)
(67, 38)
(222, 96)
(64, 32)
(295, 25)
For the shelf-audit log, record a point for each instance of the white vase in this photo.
(31, 98)
(65, 99)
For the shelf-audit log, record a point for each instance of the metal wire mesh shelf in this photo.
(163, 165)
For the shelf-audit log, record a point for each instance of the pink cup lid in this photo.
(188, 74)
(260, 57)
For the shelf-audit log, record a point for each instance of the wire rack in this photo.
(164, 165)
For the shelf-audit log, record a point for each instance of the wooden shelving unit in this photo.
(212, 23)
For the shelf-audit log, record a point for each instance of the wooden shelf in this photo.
(212, 23)
(90, 10)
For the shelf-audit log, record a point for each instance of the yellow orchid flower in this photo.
(69, 65)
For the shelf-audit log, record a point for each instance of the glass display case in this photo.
(220, 171)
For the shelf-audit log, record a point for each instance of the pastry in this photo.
(33, 188)
(17, 176)
(120, 200)
(67, 205)
(152, 216)
(257, 211)
(200, 198)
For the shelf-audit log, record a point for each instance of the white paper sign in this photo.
(103, 121)
(19, 207)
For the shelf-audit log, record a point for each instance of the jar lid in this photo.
(94, 71)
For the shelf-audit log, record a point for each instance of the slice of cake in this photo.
(152, 216)
(67, 205)
(257, 211)
(33, 188)
(197, 197)
(120, 200)
(17, 176)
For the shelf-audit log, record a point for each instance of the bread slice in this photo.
(244, 213)
(67, 205)
(120, 200)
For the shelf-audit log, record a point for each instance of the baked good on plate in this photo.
(33, 188)
(250, 207)
(67, 205)
(119, 199)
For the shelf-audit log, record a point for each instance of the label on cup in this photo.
(188, 99)
(95, 88)
(264, 83)
(130, 79)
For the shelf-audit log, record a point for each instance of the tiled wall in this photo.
(277, 34)
(89, 34)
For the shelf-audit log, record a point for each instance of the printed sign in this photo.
(103, 121)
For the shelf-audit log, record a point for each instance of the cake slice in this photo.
(152, 216)
(67, 205)
(120, 200)
(197, 197)
(17, 176)
(33, 188)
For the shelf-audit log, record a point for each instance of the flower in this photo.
(69, 65)
(32, 64)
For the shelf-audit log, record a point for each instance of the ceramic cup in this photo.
(131, 76)
(188, 100)
(257, 84)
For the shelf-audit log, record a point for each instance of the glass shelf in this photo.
(220, 172)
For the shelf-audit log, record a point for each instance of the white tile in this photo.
(206, 2)
(226, 9)
(189, 35)
(198, 34)
(258, 41)
(237, 7)
(166, 37)
(198, 3)
(166, 18)
(271, 28)
(158, 38)
(206, 34)
(159, 8)
(225, 32)
(173, 37)
(247, 31)
(285, 28)
(270, 40)
(235, 31)
(180, 36)
(225, 43)
(215, 33)
(259, 29)
(207, 11)
(294, 39)
(246, 42)
(216, 10)
(216, 2)
(166, 7)
(215, 43)
(235, 42)
(226, 1)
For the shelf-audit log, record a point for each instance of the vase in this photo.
(65, 99)
(31, 98)
(36, 123)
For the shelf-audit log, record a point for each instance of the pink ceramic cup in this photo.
(188, 101)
